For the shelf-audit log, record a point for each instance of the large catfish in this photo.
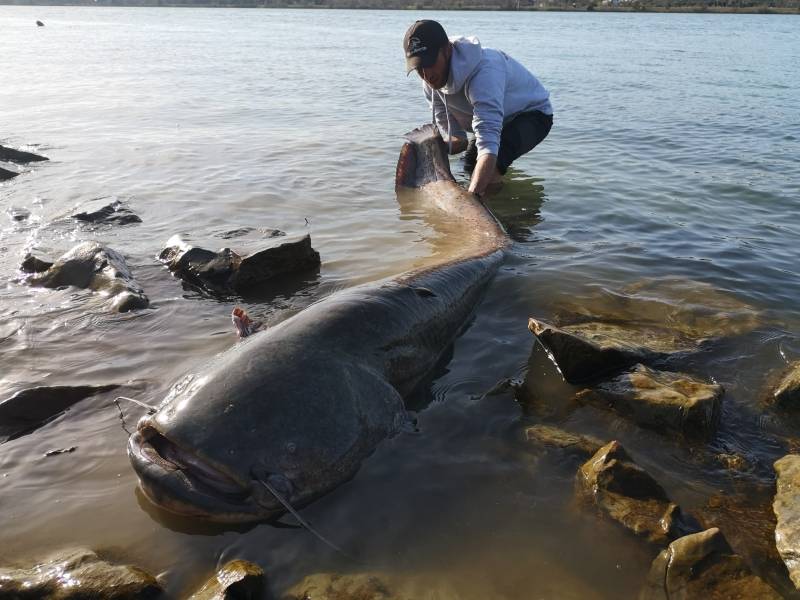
(299, 406)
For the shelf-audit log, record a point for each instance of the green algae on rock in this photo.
(237, 579)
(623, 491)
(660, 400)
(77, 574)
(703, 565)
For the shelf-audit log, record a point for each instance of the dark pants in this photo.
(519, 136)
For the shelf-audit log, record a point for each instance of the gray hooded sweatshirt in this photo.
(485, 90)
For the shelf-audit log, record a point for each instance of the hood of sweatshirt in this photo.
(467, 53)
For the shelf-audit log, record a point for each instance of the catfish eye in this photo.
(291, 447)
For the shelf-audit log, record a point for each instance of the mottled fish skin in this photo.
(306, 401)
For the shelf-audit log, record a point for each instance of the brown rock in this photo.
(625, 493)
(660, 400)
(787, 393)
(787, 512)
(77, 575)
(548, 437)
(703, 565)
(237, 580)
(583, 354)
(328, 586)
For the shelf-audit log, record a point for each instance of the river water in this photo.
(667, 190)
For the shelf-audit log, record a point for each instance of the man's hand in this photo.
(484, 174)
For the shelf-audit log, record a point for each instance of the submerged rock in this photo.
(226, 271)
(250, 232)
(748, 521)
(674, 312)
(31, 408)
(6, 174)
(787, 511)
(575, 444)
(106, 211)
(331, 586)
(238, 579)
(19, 156)
(585, 353)
(660, 400)
(624, 492)
(787, 393)
(77, 574)
(99, 268)
(703, 565)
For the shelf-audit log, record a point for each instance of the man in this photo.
(483, 91)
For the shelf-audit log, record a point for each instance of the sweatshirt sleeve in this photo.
(447, 127)
(485, 92)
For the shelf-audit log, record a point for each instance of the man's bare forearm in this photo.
(484, 173)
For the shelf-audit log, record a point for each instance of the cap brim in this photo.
(421, 60)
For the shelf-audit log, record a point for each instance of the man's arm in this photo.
(484, 173)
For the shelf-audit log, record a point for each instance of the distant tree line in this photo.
(782, 6)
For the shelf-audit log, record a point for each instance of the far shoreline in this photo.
(592, 6)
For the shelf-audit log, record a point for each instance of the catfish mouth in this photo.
(179, 481)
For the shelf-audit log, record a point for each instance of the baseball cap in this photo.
(422, 43)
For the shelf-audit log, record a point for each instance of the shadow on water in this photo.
(517, 205)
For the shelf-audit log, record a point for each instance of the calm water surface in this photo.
(667, 190)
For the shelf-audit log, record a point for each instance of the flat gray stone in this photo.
(77, 574)
(19, 156)
(6, 174)
(703, 565)
(660, 400)
(106, 211)
(237, 579)
(787, 511)
(99, 268)
(623, 492)
(227, 271)
(31, 408)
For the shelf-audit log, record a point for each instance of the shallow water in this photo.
(668, 188)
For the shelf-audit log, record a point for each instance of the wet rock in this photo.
(238, 579)
(259, 232)
(226, 271)
(625, 493)
(786, 394)
(18, 214)
(327, 586)
(6, 174)
(703, 565)
(99, 268)
(31, 408)
(587, 352)
(660, 400)
(19, 156)
(575, 444)
(58, 451)
(787, 511)
(106, 211)
(748, 521)
(77, 574)
(34, 264)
